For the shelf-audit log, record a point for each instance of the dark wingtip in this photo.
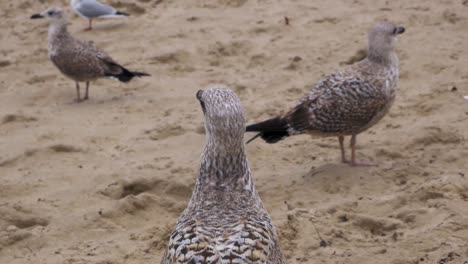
(122, 13)
(271, 130)
(400, 30)
(36, 16)
(253, 138)
(140, 74)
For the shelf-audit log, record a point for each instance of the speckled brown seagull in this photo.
(225, 220)
(346, 102)
(79, 60)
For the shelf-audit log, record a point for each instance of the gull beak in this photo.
(36, 16)
(400, 30)
(199, 97)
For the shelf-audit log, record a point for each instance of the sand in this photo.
(104, 181)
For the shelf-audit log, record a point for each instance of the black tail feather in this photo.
(271, 130)
(126, 75)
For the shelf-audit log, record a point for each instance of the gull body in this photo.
(93, 9)
(225, 220)
(79, 60)
(346, 102)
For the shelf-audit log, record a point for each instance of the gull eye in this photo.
(50, 13)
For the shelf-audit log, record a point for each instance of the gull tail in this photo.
(116, 14)
(271, 130)
(126, 75)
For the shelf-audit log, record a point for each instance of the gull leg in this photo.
(78, 99)
(353, 150)
(343, 157)
(86, 97)
(353, 154)
(89, 26)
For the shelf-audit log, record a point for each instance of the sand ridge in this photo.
(105, 180)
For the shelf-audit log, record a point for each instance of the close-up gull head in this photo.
(53, 14)
(383, 38)
(223, 112)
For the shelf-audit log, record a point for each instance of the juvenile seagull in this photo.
(92, 9)
(225, 220)
(346, 102)
(79, 60)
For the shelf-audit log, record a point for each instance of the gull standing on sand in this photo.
(346, 102)
(79, 60)
(225, 220)
(92, 9)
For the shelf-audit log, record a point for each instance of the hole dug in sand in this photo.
(232, 3)
(124, 188)
(137, 194)
(119, 190)
(436, 135)
(376, 225)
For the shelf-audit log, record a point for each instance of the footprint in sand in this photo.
(17, 223)
(17, 118)
(163, 132)
(57, 148)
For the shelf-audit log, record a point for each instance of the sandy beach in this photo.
(103, 181)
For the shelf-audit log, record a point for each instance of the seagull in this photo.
(80, 60)
(91, 9)
(346, 102)
(225, 220)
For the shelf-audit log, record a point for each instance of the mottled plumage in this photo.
(348, 101)
(225, 220)
(92, 9)
(79, 60)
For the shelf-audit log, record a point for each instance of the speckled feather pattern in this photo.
(225, 220)
(79, 60)
(351, 100)
(346, 102)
